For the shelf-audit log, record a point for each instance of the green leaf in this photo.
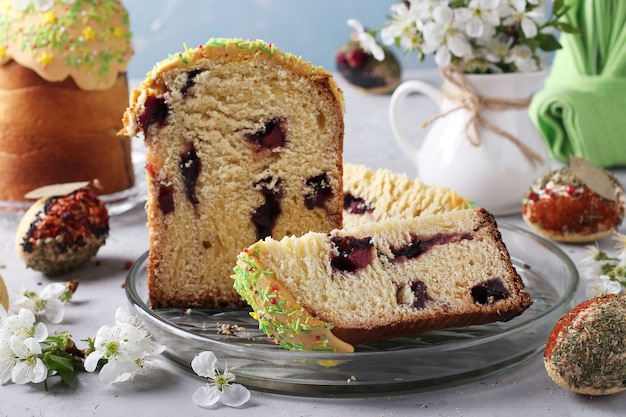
(548, 42)
(59, 362)
(567, 28)
(532, 43)
(557, 5)
(62, 364)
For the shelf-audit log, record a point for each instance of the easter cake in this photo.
(63, 92)
(243, 141)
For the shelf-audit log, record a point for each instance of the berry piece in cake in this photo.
(190, 82)
(62, 230)
(317, 191)
(165, 193)
(414, 294)
(352, 253)
(489, 292)
(190, 166)
(155, 111)
(355, 205)
(420, 245)
(272, 137)
(166, 197)
(264, 217)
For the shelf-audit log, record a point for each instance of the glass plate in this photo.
(429, 361)
(117, 203)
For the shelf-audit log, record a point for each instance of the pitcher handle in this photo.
(395, 112)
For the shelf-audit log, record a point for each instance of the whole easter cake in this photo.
(331, 291)
(63, 92)
(243, 141)
(381, 194)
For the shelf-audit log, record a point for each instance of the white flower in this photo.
(590, 265)
(517, 14)
(444, 36)
(29, 367)
(22, 325)
(522, 57)
(50, 303)
(124, 346)
(497, 49)
(602, 285)
(20, 348)
(481, 14)
(221, 387)
(366, 40)
(406, 24)
(7, 358)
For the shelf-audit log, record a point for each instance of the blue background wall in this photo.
(312, 28)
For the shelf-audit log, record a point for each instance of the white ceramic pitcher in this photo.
(494, 173)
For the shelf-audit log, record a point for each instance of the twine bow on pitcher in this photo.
(475, 104)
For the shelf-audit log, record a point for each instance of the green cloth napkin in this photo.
(582, 108)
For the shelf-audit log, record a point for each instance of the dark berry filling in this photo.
(317, 191)
(414, 294)
(355, 205)
(155, 111)
(166, 197)
(190, 82)
(190, 166)
(419, 246)
(273, 136)
(490, 291)
(353, 253)
(264, 217)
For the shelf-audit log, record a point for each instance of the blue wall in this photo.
(314, 29)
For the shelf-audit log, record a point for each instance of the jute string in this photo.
(475, 104)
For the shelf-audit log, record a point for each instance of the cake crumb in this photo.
(228, 328)
(352, 378)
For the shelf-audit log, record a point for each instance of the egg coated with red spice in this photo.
(58, 234)
(562, 207)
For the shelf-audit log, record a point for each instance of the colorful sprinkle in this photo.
(68, 40)
(282, 321)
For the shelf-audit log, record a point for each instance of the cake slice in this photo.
(331, 291)
(243, 141)
(380, 194)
